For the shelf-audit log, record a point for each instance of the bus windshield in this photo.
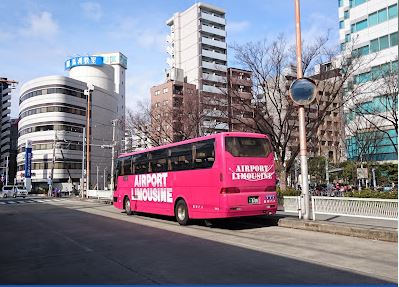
(248, 147)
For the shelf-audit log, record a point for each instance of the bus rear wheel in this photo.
(181, 212)
(128, 208)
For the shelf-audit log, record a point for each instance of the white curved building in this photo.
(53, 114)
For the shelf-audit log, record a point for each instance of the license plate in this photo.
(253, 199)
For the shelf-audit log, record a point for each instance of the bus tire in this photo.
(127, 205)
(181, 212)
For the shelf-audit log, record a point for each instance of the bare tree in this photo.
(159, 124)
(274, 113)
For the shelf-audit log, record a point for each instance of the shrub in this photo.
(369, 193)
(289, 191)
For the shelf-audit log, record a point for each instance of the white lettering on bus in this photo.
(252, 172)
(152, 187)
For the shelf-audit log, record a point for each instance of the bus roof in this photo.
(223, 134)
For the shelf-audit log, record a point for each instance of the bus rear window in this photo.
(248, 147)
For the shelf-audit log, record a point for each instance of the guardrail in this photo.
(355, 207)
(292, 204)
(99, 194)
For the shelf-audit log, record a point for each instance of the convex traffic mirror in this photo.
(303, 91)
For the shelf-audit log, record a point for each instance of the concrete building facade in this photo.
(371, 26)
(53, 114)
(197, 45)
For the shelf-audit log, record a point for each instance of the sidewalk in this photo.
(385, 230)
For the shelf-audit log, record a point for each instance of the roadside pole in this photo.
(113, 154)
(7, 170)
(83, 162)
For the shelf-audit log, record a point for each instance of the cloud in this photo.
(92, 10)
(237, 26)
(40, 25)
(145, 37)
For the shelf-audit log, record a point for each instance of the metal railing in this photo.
(99, 194)
(355, 207)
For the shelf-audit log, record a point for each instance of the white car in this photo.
(14, 191)
(20, 191)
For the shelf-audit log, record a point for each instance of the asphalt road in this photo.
(69, 242)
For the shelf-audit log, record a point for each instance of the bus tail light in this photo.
(226, 190)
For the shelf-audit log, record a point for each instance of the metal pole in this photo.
(53, 159)
(113, 154)
(97, 178)
(83, 161)
(327, 173)
(7, 170)
(88, 141)
(104, 177)
(301, 112)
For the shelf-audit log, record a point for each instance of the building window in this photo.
(393, 11)
(165, 90)
(394, 39)
(340, 3)
(382, 15)
(384, 42)
(373, 19)
(346, 14)
(374, 46)
(361, 25)
(341, 24)
(347, 38)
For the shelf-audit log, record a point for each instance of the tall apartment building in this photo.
(240, 107)
(372, 27)
(53, 112)
(197, 45)
(5, 123)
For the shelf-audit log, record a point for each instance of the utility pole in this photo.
(113, 153)
(327, 174)
(83, 161)
(88, 93)
(53, 158)
(97, 178)
(104, 177)
(7, 170)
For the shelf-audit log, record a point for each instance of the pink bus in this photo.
(223, 175)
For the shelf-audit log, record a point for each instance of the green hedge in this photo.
(369, 193)
(289, 191)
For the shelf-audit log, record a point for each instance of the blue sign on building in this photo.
(28, 162)
(84, 61)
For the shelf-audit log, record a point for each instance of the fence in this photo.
(100, 194)
(355, 207)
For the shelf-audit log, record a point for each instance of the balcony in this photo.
(213, 66)
(214, 55)
(214, 43)
(170, 62)
(212, 89)
(170, 50)
(212, 30)
(5, 112)
(213, 18)
(214, 78)
(170, 38)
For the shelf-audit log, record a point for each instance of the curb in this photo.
(374, 233)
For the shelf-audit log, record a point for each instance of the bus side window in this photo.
(159, 161)
(204, 154)
(127, 166)
(141, 163)
(182, 157)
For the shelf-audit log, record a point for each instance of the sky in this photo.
(36, 37)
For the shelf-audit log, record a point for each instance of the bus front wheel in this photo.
(128, 207)
(181, 212)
